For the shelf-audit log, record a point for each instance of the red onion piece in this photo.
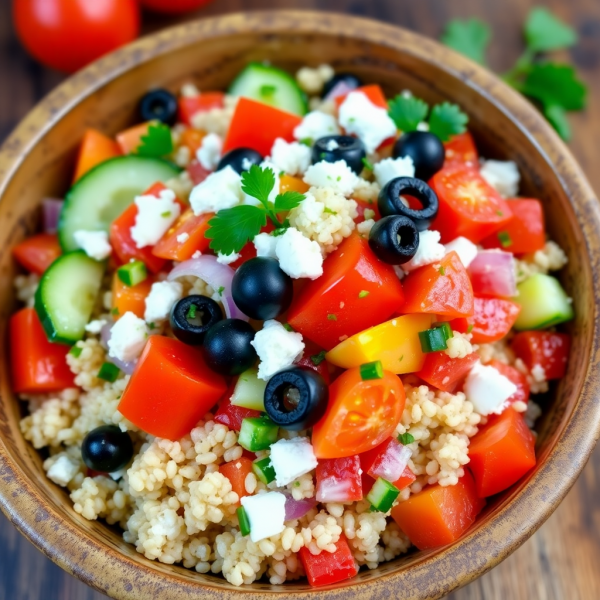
(126, 367)
(492, 273)
(339, 89)
(216, 275)
(392, 462)
(335, 490)
(296, 509)
(51, 208)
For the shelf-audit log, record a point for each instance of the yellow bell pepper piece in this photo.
(395, 343)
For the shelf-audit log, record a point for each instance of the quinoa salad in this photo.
(292, 330)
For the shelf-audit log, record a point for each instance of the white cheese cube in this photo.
(292, 458)
(265, 245)
(222, 189)
(128, 337)
(160, 300)
(337, 175)
(466, 250)
(503, 176)
(93, 243)
(277, 348)
(316, 125)
(209, 153)
(487, 389)
(429, 251)
(154, 217)
(390, 168)
(298, 256)
(291, 158)
(63, 470)
(266, 514)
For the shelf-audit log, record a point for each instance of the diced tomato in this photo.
(237, 471)
(190, 229)
(462, 324)
(445, 373)
(469, 206)
(197, 172)
(339, 479)
(130, 299)
(287, 183)
(438, 515)
(329, 567)
(442, 288)
(493, 319)
(361, 206)
(311, 349)
(544, 349)
(192, 139)
(518, 378)
(171, 389)
(190, 105)
(356, 291)
(370, 458)
(37, 365)
(461, 149)
(407, 478)
(130, 139)
(525, 232)
(360, 414)
(373, 92)
(95, 148)
(501, 453)
(38, 252)
(230, 415)
(256, 125)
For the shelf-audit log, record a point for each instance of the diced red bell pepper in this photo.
(197, 172)
(190, 105)
(38, 252)
(230, 415)
(461, 149)
(518, 378)
(442, 288)
(438, 515)
(171, 389)
(339, 479)
(184, 238)
(493, 319)
(256, 125)
(373, 92)
(329, 567)
(355, 292)
(237, 471)
(37, 365)
(501, 453)
(544, 349)
(445, 373)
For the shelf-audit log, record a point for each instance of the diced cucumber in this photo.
(108, 372)
(66, 295)
(382, 495)
(543, 303)
(257, 433)
(270, 85)
(249, 391)
(103, 193)
(133, 273)
(264, 470)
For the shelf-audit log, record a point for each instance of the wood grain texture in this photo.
(560, 561)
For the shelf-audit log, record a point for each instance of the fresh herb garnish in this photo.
(267, 91)
(470, 328)
(166, 214)
(157, 142)
(363, 294)
(442, 270)
(151, 326)
(407, 112)
(221, 290)
(504, 239)
(470, 37)
(114, 311)
(287, 327)
(192, 310)
(331, 318)
(76, 351)
(406, 438)
(317, 359)
(367, 164)
(329, 211)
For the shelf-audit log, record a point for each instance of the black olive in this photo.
(261, 290)
(107, 449)
(240, 159)
(192, 317)
(425, 149)
(350, 80)
(296, 398)
(390, 203)
(394, 239)
(159, 105)
(340, 147)
(227, 348)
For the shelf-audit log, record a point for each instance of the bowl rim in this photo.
(25, 506)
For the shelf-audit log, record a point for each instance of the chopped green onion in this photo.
(220, 290)
(115, 311)
(406, 438)
(432, 340)
(499, 213)
(367, 164)
(76, 351)
(306, 141)
(446, 329)
(504, 238)
(317, 359)
(243, 521)
(108, 372)
(331, 318)
(329, 211)
(165, 214)
(363, 294)
(257, 433)
(470, 328)
(264, 470)
(442, 270)
(151, 326)
(382, 495)
(288, 327)
(132, 273)
(371, 370)
(191, 313)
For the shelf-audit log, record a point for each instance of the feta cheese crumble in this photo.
(182, 238)
(227, 259)
(466, 250)
(390, 168)
(503, 176)
(277, 348)
(298, 256)
(93, 243)
(222, 189)
(487, 389)
(160, 300)
(154, 217)
(292, 458)
(63, 470)
(266, 514)
(331, 145)
(209, 153)
(291, 158)
(95, 326)
(265, 245)
(337, 175)
(128, 337)
(429, 251)
(316, 125)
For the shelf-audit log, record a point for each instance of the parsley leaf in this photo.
(232, 228)
(406, 438)
(554, 84)
(544, 32)
(407, 112)
(288, 201)
(258, 183)
(558, 119)
(469, 37)
(447, 120)
(157, 142)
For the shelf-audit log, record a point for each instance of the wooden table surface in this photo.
(561, 561)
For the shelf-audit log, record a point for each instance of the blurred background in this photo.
(560, 562)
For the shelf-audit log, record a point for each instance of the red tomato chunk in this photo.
(329, 567)
(445, 373)
(38, 252)
(190, 105)
(518, 378)
(493, 319)
(237, 471)
(230, 415)
(544, 349)
(339, 479)
(461, 149)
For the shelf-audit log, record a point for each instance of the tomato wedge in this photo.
(184, 238)
(237, 471)
(95, 149)
(445, 373)
(461, 149)
(360, 414)
(543, 349)
(190, 105)
(38, 252)
(518, 378)
(493, 319)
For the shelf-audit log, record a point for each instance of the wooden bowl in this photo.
(37, 160)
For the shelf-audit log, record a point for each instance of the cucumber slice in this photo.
(257, 433)
(382, 495)
(66, 296)
(103, 193)
(270, 85)
(249, 391)
(543, 303)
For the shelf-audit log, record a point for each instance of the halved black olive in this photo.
(240, 159)
(192, 317)
(340, 147)
(394, 239)
(159, 105)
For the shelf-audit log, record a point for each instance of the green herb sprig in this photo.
(157, 142)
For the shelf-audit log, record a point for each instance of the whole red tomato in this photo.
(69, 34)
(173, 6)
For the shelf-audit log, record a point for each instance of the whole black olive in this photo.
(192, 317)
(394, 239)
(240, 159)
(227, 348)
(107, 449)
(352, 81)
(159, 105)
(296, 398)
(261, 290)
(390, 203)
(340, 147)
(425, 149)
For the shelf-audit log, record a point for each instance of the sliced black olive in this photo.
(394, 239)
(227, 348)
(107, 449)
(159, 105)
(352, 81)
(340, 147)
(425, 149)
(240, 159)
(192, 317)
(261, 289)
(296, 398)
(390, 203)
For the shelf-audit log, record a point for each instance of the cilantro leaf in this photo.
(407, 112)
(157, 142)
(469, 37)
(558, 119)
(555, 84)
(258, 182)
(447, 120)
(288, 201)
(232, 228)
(544, 31)
(406, 438)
